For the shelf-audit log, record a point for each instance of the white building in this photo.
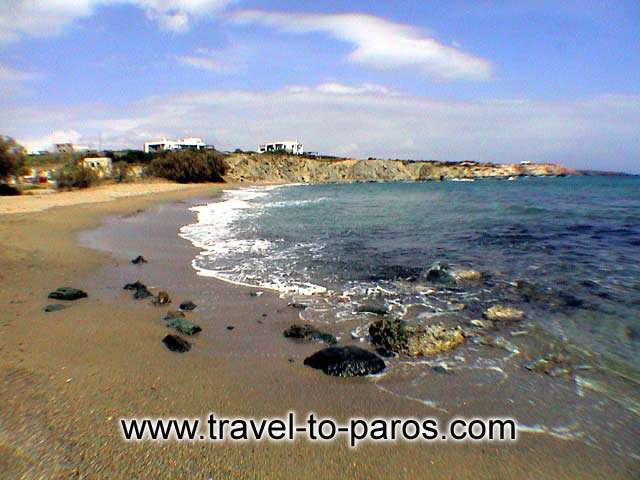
(194, 143)
(294, 148)
(101, 165)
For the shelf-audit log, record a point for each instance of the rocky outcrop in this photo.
(347, 361)
(269, 168)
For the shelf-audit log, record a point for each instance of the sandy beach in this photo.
(68, 376)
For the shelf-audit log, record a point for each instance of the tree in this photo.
(12, 157)
(189, 166)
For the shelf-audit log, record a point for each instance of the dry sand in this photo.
(67, 377)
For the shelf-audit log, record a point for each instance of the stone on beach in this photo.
(173, 314)
(188, 306)
(140, 290)
(415, 340)
(176, 343)
(54, 307)
(183, 326)
(162, 299)
(67, 293)
(308, 332)
(438, 272)
(139, 260)
(501, 313)
(347, 361)
(467, 276)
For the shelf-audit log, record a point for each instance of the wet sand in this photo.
(68, 376)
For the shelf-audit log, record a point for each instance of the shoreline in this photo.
(68, 375)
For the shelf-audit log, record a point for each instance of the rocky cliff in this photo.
(269, 168)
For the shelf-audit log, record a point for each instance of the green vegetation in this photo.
(73, 175)
(189, 166)
(12, 158)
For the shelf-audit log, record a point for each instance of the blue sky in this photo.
(452, 80)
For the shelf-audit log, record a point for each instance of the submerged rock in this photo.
(483, 324)
(375, 304)
(67, 293)
(162, 299)
(139, 260)
(500, 313)
(439, 273)
(498, 342)
(554, 365)
(176, 343)
(467, 276)
(188, 306)
(307, 332)
(347, 361)
(184, 326)
(54, 307)
(415, 340)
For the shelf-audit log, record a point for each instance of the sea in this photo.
(565, 250)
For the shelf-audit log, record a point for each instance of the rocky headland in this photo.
(267, 168)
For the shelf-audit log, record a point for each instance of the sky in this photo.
(495, 81)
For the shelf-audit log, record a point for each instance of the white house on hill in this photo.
(193, 143)
(294, 148)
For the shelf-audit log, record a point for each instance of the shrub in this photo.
(189, 166)
(121, 171)
(12, 157)
(75, 176)
(8, 190)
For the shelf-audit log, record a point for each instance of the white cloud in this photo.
(39, 18)
(378, 43)
(596, 132)
(224, 61)
(11, 75)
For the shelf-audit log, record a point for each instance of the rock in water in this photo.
(500, 313)
(307, 332)
(184, 326)
(467, 276)
(375, 304)
(439, 273)
(176, 343)
(139, 260)
(188, 306)
(54, 307)
(346, 362)
(414, 340)
(162, 299)
(67, 293)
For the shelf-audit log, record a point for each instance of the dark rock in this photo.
(439, 273)
(375, 304)
(442, 368)
(184, 326)
(139, 260)
(162, 299)
(414, 340)
(142, 293)
(134, 286)
(347, 361)
(554, 365)
(569, 300)
(385, 352)
(307, 332)
(531, 293)
(67, 293)
(54, 307)
(188, 306)
(230, 327)
(264, 315)
(299, 306)
(176, 343)
(291, 360)
(632, 333)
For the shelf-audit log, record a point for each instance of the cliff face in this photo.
(293, 169)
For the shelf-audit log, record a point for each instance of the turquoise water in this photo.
(575, 240)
